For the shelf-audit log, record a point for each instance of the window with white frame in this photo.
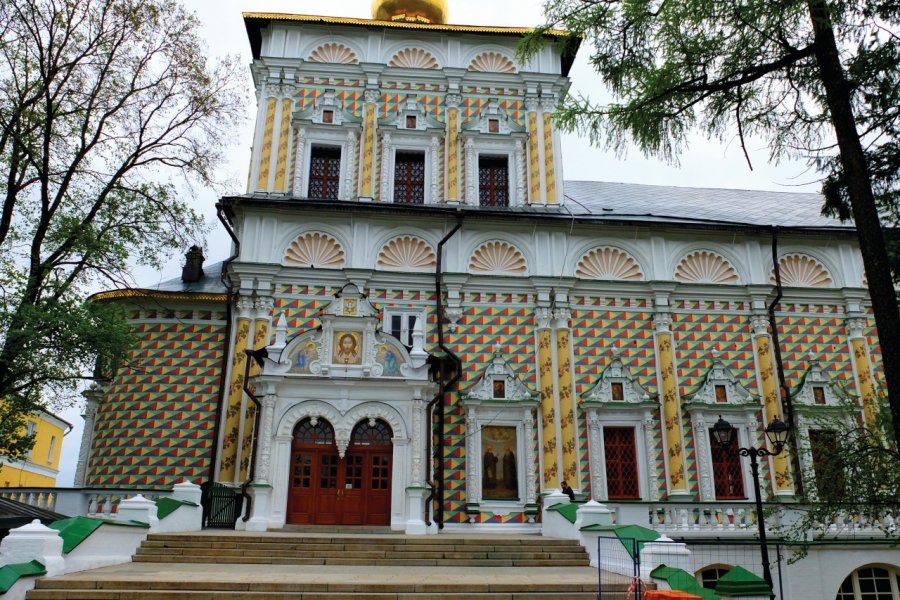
(871, 583)
(493, 180)
(409, 177)
(621, 457)
(727, 469)
(401, 322)
(325, 172)
(52, 449)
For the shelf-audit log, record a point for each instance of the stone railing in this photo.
(71, 502)
(736, 519)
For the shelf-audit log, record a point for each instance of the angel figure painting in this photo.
(304, 358)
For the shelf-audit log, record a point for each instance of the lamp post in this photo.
(777, 432)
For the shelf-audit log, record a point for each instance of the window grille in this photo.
(621, 463)
(378, 434)
(320, 434)
(409, 178)
(728, 473)
(325, 173)
(493, 181)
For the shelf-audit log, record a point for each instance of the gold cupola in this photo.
(410, 11)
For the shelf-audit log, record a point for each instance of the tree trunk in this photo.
(862, 202)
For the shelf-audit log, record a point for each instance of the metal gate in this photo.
(221, 506)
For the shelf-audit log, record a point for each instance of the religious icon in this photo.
(721, 394)
(347, 349)
(618, 392)
(389, 359)
(499, 388)
(350, 307)
(304, 357)
(819, 395)
(499, 463)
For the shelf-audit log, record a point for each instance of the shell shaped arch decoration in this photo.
(609, 263)
(406, 253)
(492, 62)
(316, 250)
(498, 258)
(703, 266)
(801, 270)
(334, 53)
(414, 58)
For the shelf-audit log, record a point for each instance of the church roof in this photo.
(631, 201)
(625, 203)
(208, 288)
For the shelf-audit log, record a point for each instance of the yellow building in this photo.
(41, 466)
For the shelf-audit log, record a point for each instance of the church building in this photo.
(425, 326)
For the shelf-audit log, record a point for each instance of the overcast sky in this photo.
(705, 164)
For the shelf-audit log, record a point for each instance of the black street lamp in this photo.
(777, 432)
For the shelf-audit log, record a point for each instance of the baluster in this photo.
(52, 497)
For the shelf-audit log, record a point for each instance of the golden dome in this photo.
(415, 11)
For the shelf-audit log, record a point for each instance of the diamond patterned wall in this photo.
(818, 329)
(154, 427)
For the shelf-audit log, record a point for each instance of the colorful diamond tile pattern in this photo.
(600, 326)
(819, 331)
(471, 107)
(699, 334)
(155, 425)
(501, 321)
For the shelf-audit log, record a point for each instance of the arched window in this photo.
(373, 432)
(871, 583)
(709, 577)
(319, 433)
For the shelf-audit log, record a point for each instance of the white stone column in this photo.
(435, 166)
(473, 482)
(530, 488)
(704, 464)
(595, 447)
(647, 427)
(350, 181)
(471, 174)
(93, 396)
(263, 463)
(387, 164)
(300, 163)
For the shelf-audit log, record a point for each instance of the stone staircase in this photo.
(220, 566)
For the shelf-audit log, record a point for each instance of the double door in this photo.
(329, 490)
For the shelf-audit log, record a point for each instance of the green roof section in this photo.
(567, 510)
(10, 574)
(635, 532)
(741, 582)
(166, 506)
(682, 581)
(75, 530)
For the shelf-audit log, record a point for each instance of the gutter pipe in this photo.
(444, 387)
(223, 378)
(257, 356)
(787, 403)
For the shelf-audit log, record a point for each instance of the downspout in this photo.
(258, 356)
(223, 378)
(444, 387)
(787, 403)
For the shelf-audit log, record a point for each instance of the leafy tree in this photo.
(818, 79)
(102, 104)
(855, 475)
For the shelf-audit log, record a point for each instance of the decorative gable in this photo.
(349, 345)
(411, 116)
(494, 120)
(499, 383)
(720, 386)
(818, 389)
(617, 385)
(328, 110)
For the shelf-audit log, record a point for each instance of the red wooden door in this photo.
(368, 497)
(313, 495)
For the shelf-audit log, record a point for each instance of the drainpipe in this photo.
(257, 356)
(223, 379)
(787, 403)
(444, 387)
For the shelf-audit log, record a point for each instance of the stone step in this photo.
(412, 562)
(274, 539)
(355, 547)
(143, 594)
(437, 552)
(75, 589)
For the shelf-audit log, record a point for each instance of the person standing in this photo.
(490, 468)
(510, 477)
